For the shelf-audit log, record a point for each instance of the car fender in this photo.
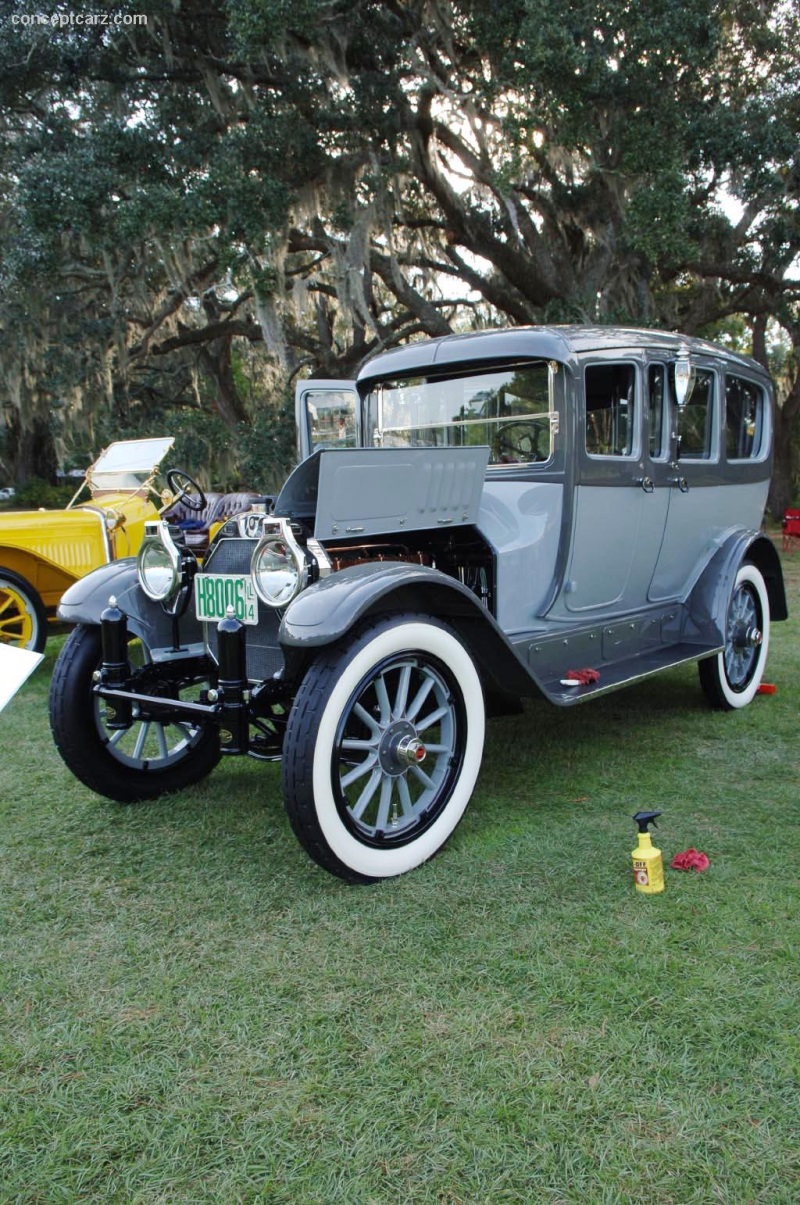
(709, 600)
(329, 609)
(85, 601)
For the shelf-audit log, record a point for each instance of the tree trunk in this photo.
(31, 451)
(217, 363)
(784, 468)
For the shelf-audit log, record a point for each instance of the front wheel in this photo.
(140, 762)
(383, 748)
(731, 679)
(23, 620)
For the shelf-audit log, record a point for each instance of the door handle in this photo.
(646, 483)
(681, 482)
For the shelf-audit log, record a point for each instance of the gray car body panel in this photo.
(85, 601)
(367, 492)
(561, 343)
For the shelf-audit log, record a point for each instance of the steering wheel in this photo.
(181, 483)
(518, 443)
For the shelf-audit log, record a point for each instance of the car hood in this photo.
(74, 514)
(375, 491)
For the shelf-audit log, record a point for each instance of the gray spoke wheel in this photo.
(383, 747)
(140, 762)
(397, 742)
(730, 679)
(147, 745)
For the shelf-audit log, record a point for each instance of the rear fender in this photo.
(328, 610)
(708, 604)
(86, 600)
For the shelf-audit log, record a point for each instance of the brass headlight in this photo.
(279, 567)
(159, 563)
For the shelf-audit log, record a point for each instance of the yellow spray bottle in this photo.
(648, 869)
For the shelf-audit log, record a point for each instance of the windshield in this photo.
(127, 464)
(507, 408)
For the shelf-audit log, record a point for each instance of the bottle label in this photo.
(648, 874)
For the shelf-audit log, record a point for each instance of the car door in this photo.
(692, 480)
(619, 514)
(327, 415)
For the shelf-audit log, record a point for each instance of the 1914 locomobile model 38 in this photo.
(470, 521)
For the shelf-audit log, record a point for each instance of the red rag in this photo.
(690, 859)
(584, 676)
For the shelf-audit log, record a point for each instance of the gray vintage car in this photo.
(546, 512)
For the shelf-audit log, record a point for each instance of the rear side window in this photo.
(744, 419)
(696, 419)
(656, 411)
(610, 409)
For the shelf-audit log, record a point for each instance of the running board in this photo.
(623, 673)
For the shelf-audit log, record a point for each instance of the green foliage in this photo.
(204, 447)
(659, 222)
(321, 179)
(733, 333)
(36, 493)
(266, 450)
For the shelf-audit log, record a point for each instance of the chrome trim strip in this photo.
(101, 514)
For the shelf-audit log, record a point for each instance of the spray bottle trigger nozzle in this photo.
(643, 819)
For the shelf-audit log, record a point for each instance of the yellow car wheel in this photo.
(23, 621)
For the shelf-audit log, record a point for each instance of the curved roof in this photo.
(560, 343)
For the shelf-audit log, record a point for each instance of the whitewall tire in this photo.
(383, 748)
(730, 680)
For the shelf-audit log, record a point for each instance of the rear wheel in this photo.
(731, 679)
(140, 762)
(383, 748)
(23, 620)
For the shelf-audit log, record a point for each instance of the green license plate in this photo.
(215, 592)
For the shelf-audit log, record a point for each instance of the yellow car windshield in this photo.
(127, 465)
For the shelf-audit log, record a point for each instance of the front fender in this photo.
(85, 601)
(327, 611)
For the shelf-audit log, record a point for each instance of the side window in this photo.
(744, 419)
(656, 411)
(610, 409)
(696, 419)
(331, 417)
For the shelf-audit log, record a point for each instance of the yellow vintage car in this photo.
(43, 552)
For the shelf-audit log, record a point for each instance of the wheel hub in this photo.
(399, 748)
(747, 637)
(411, 751)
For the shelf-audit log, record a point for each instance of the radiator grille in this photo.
(264, 657)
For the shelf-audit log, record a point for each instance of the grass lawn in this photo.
(192, 1011)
